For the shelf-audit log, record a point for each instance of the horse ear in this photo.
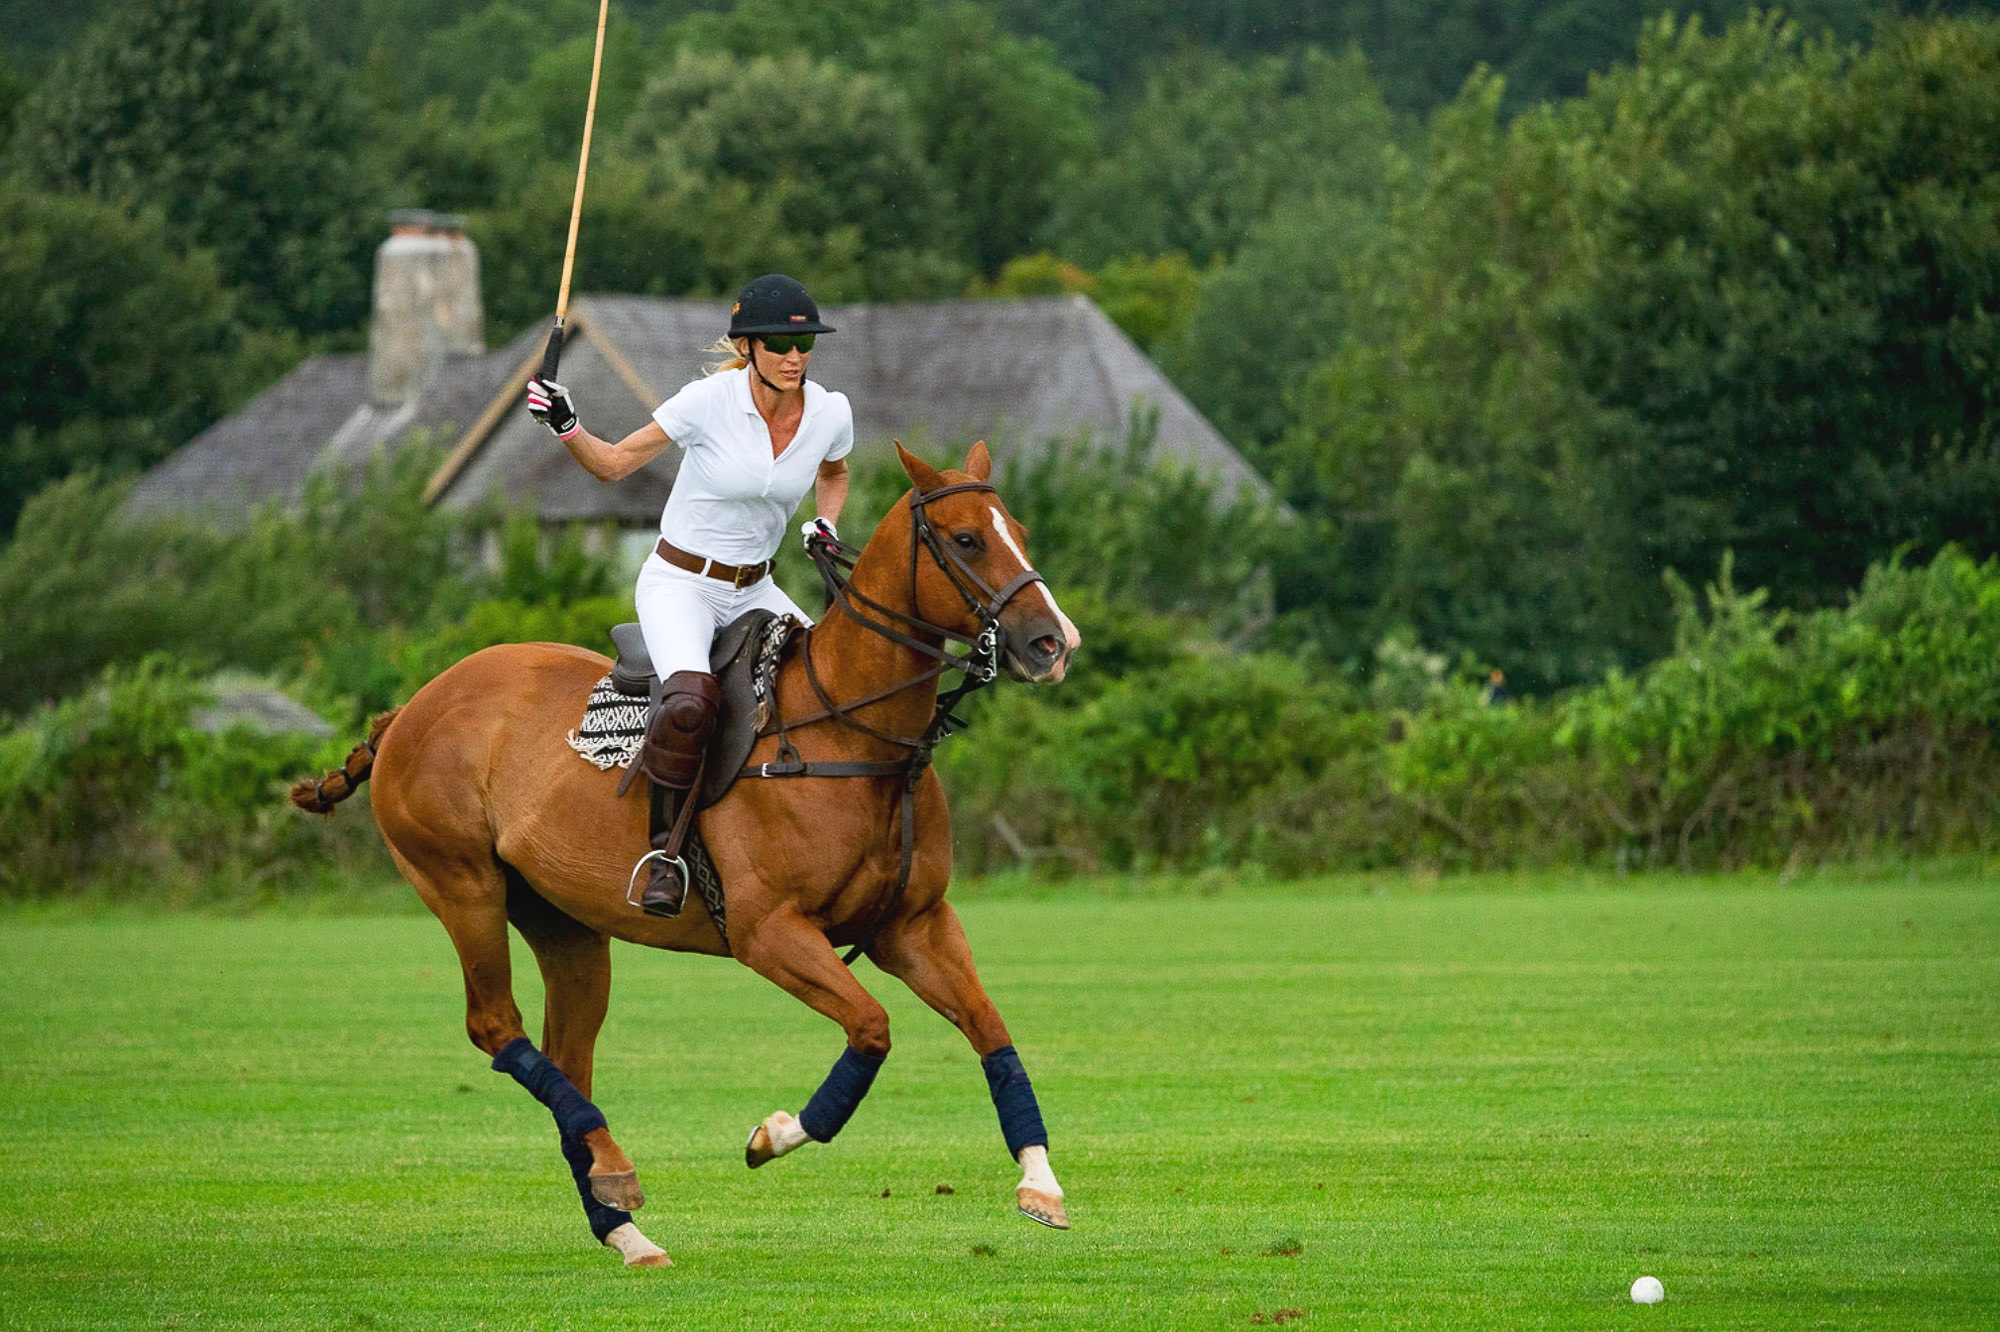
(922, 474)
(978, 462)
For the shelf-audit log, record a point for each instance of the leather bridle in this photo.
(978, 660)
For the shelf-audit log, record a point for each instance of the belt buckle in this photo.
(745, 575)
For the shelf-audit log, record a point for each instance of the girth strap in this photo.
(911, 770)
(797, 767)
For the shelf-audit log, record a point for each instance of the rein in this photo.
(979, 664)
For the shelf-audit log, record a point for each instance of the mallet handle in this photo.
(552, 357)
(552, 354)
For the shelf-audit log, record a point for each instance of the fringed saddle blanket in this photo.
(613, 725)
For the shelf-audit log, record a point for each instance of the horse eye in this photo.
(965, 540)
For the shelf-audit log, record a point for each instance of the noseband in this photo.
(981, 598)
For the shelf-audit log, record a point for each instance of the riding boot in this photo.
(671, 758)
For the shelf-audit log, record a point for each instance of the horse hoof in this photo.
(778, 1134)
(637, 1250)
(1043, 1207)
(620, 1190)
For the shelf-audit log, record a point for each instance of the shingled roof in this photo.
(1018, 373)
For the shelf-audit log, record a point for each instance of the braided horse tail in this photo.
(321, 795)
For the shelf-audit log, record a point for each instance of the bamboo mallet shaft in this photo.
(552, 355)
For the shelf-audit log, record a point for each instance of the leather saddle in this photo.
(733, 661)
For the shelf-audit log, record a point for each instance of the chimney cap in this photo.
(425, 222)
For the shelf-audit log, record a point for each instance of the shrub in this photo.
(116, 790)
(1766, 738)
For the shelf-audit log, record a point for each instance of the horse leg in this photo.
(928, 952)
(575, 963)
(468, 895)
(786, 949)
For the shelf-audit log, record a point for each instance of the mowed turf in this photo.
(1367, 1104)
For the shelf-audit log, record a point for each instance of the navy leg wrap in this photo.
(1014, 1098)
(575, 1116)
(603, 1220)
(833, 1104)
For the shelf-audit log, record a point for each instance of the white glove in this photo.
(819, 529)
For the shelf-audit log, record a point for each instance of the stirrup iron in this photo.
(632, 893)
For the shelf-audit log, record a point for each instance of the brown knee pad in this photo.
(679, 731)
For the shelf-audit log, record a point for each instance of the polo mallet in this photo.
(552, 354)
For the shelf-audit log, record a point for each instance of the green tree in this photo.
(219, 114)
(846, 32)
(1422, 53)
(1111, 42)
(1743, 296)
(1812, 365)
(530, 92)
(462, 113)
(999, 117)
(633, 239)
(1263, 321)
(1271, 177)
(1207, 148)
(122, 347)
(1038, 274)
(14, 87)
(1551, 51)
(84, 584)
(35, 31)
(1151, 299)
(1002, 122)
(789, 160)
(1115, 518)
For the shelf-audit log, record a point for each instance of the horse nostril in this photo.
(1048, 647)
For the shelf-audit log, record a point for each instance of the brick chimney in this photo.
(426, 304)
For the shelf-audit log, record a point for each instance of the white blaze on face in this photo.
(1071, 639)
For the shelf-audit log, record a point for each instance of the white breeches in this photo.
(680, 612)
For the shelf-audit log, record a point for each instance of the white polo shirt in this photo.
(733, 501)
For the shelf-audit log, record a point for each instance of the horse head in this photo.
(970, 570)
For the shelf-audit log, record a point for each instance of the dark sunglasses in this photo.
(781, 344)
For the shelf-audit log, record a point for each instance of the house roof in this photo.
(318, 416)
(1018, 373)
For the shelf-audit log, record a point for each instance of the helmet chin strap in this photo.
(758, 370)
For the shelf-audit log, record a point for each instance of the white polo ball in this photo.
(1648, 1290)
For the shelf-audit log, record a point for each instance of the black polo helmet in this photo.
(775, 303)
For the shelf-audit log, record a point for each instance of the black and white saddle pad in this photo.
(608, 736)
(613, 725)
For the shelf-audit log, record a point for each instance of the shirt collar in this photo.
(815, 396)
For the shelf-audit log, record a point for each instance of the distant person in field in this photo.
(1496, 691)
(757, 436)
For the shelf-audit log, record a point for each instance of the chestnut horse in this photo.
(495, 821)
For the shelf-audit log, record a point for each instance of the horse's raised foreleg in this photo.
(928, 952)
(575, 963)
(786, 949)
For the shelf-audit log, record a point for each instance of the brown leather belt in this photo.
(736, 575)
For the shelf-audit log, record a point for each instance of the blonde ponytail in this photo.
(728, 357)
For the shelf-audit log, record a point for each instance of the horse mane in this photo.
(320, 795)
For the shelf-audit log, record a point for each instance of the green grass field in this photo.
(1369, 1103)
